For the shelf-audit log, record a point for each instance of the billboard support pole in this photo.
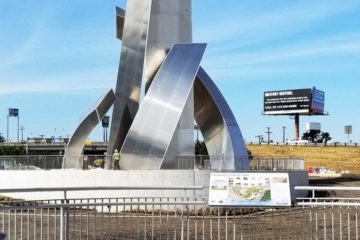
(297, 126)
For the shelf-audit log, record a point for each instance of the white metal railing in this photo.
(314, 189)
(167, 217)
(66, 206)
(332, 217)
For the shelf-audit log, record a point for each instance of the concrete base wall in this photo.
(100, 177)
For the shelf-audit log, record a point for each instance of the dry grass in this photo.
(334, 158)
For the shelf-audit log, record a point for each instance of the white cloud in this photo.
(274, 23)
(91, 79)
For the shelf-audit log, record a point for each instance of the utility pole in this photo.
(196, 127)
(268, 133)
(259, 137)
(22, 129)
(284, 134)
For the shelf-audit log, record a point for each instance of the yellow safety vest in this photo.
(116, 156)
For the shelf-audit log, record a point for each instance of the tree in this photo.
(325, 137)
(310, 136)
(2, 139)
(314, 137)
(201, 154)
(200, 148)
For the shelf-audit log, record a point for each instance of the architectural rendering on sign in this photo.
(157, 52)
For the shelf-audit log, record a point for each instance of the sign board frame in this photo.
(246, 189)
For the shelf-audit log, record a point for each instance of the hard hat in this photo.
(116, 150)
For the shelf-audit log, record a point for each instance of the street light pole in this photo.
(7, 129)
(18, 128)
(22, 133)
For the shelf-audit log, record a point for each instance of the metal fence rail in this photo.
(201, 162)
(177, 218)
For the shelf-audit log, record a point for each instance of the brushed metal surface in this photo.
(170, 22)
(218, 126)
(130, 72)
(76, 143)
(155, 123)
(149, 30)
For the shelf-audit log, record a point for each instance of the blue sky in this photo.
(58, 57)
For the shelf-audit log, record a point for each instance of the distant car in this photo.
(314, 170)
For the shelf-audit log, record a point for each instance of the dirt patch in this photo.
(334, 158)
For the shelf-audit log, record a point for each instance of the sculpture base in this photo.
(136, 178)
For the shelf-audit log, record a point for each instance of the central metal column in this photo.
(130, 74)
(170, 22)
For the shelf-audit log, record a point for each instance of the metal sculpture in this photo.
(157, 53)
(154, 126)
(76, 143)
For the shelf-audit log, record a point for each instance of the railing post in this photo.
(64, 222)
(64, 219)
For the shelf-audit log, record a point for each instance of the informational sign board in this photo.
(348, 129)
(249, 189)
(13, 112)
(303, 101)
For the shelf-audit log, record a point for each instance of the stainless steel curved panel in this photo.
(130, 72)
(120, 20)
(155, 123)
(170, 22)
(218, 126)
(90, 121)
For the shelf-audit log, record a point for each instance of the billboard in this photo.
(249, 189)
(348, 129)
(303, 101)
(318, 101)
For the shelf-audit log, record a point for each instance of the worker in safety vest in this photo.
(116, 159)
(97, 163)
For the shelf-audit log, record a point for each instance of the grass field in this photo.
(334, 158)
